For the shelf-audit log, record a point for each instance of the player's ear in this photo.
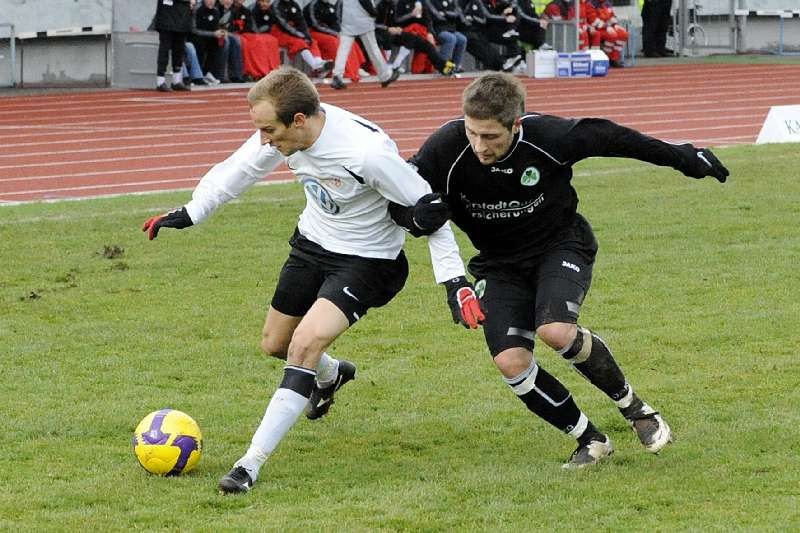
(299, 120)
(515, 126)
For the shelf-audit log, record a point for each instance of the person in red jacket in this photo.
(612, 36)
(292, 32)
(260, 51)
(565, 10)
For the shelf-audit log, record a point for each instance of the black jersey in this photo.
(517, 207)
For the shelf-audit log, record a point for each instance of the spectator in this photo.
(260, 51)
(191, 72)
(358, 20)
(445, 16)
(322, 17)
(292, 32)
(206, 36)
(173, 21)
(656, 19)
(478, 45)
(612, 36)
(229, 59)
(531, 27)
(501, 28)
(390, 35)
(413, 17)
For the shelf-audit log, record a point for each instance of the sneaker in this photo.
(511, 62)
(590, 453)
(323, 69)
(199, 81)
(392, 78)
(180, 87)
(321, 399)
(653, 432)
(337, 83)
(236, 481)
(163, 88)
(521, 68)
(211, 79)
(449, 68)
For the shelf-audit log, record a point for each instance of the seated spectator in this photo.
(472, 23)
(445, 16)
(531, 28)
(260, 51)
(612, 35)
(190, 71)
(390, 35)
(230, 64)
(501, 28)
(290, 29)
(413, 18)
(324, 24)
(206, 36)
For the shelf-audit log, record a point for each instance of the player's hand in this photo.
(424, 218)
(464, 303)
(177, 218)
(705, 163)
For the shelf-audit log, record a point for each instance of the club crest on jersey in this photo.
(530, 177)
(320, 195)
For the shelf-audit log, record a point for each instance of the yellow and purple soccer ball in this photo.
(168, 442)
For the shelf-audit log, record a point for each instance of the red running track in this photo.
(117, 142)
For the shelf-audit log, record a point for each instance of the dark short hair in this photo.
(290, 92)
(496, 95)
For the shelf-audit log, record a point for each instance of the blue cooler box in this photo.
(599, 63)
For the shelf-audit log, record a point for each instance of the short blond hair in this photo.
(496, 95)
(290, 92)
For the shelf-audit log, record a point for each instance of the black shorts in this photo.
(520, 297)
(353, 283)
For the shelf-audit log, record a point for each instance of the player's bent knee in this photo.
(557, 335)
(273, 346)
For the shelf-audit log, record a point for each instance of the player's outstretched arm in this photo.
(177, 218)
(464, 303)
(428, 215)
(701, 162)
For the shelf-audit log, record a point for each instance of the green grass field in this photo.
(695, 290)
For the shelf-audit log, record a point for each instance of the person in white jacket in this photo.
(358, 21)
(346, 255)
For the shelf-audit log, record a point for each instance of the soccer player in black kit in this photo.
(506, 177)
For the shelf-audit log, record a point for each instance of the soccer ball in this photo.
(168, 442)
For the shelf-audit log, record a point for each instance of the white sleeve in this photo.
(397, 181)
(230, 178)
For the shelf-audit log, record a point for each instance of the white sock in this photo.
(177, 77)
(625, 401)
(402, 54)
(160, 80)
(282, 412)
(327, 370)
(313, 62)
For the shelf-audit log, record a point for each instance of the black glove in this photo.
(424, 218)
(177, 218)
(464, 303)
(701, 162)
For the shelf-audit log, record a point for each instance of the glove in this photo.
(177, 218)
(424, 218)
(702, 163)
(464, 303)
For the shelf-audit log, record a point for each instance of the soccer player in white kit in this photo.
(346, 251)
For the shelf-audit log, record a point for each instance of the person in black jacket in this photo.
(445, 16)
(656, 19)
(173, 21)
(479, 47)
(531, 28)
(506, 177)
(206, 36)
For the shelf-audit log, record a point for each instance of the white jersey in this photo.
(349, 174)
(355, 19)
